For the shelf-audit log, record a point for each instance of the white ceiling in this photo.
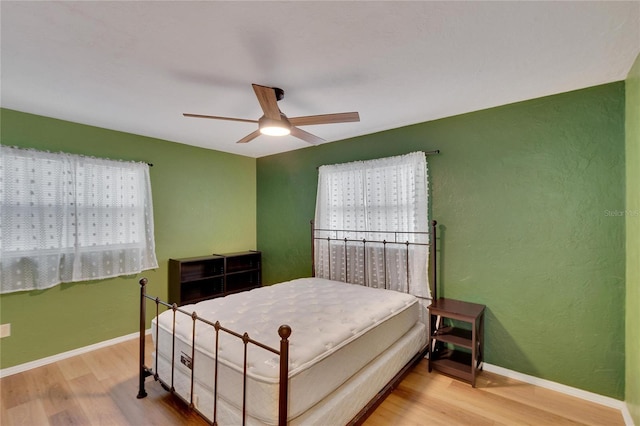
(136, 66)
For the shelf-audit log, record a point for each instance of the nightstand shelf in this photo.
(454, 363)
(455, 336)
(454, 349)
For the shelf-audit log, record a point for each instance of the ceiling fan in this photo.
(275, 123)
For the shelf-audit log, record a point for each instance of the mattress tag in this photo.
(186, 360)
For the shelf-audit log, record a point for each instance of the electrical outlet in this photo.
(5, 330)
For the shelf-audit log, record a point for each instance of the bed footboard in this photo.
(284, 331)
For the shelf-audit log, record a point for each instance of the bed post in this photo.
(284, 331)
(143, 283)
(434, 274)
(313, 249)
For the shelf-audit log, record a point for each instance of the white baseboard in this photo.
(567, 390)
(626, 415)
(64, 355)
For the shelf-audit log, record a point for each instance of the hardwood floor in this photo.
(435, 399)
(100, 388)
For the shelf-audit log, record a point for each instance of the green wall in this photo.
(528, 198)
(204, 202)
(632, 132)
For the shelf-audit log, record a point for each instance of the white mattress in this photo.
(337, 328)
(337, 408)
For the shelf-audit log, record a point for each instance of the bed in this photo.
(303, 352)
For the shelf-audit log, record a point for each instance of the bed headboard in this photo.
(376, 258)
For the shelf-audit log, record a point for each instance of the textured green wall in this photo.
(528, 197)
(204, 202)
(632, 132)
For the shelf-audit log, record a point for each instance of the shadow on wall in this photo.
(497, 339)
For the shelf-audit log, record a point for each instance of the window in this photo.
(377, 200)
(68, 218)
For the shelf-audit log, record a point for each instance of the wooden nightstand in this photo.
(454, 349)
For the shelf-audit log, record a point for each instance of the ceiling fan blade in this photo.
(215, 117)
(343, 117)
(251, 136)
(306, 136)
(268, 101)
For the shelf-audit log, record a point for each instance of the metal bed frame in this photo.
(397, 242)
(284, 331)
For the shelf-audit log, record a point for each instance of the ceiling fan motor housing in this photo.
(279, 93)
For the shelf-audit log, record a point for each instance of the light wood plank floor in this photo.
(100, 388)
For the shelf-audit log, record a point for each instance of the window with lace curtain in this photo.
(377, 200)
(67, 218)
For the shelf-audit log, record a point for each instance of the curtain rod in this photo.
(23, 148)
(436, 151)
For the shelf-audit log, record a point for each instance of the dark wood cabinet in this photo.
(194, 279)
(456, 344)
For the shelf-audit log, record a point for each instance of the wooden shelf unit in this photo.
(243, 271)
(194, 279)
(454, 350)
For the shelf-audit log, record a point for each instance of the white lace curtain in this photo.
(377, 200)
(67, 218)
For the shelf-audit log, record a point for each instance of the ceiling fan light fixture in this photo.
(275, 131)
(273, 127)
